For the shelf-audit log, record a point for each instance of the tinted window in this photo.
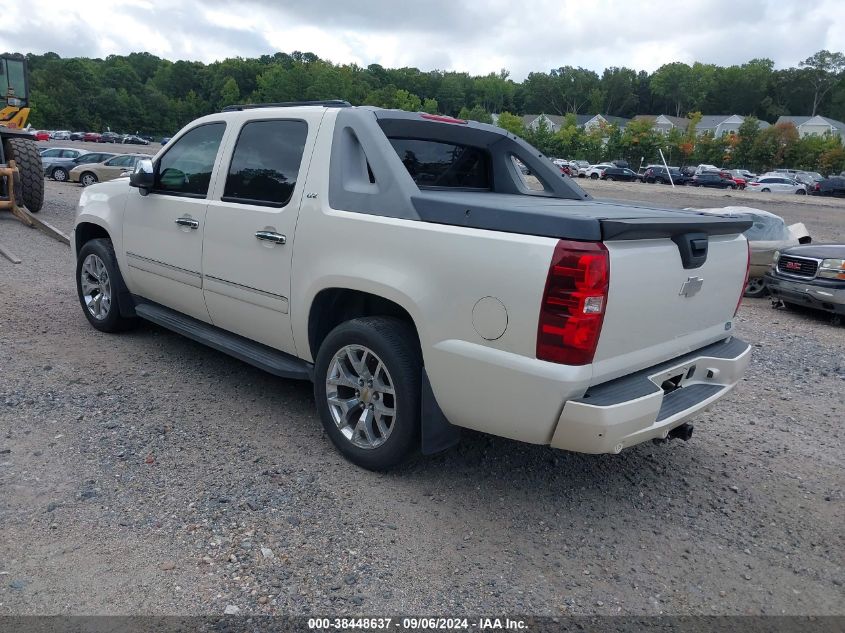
(51, 153)
(186, 167)
(265, 163)
(92, 158)
(119, 161)
(436, 164)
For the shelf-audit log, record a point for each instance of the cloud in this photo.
(535, 35)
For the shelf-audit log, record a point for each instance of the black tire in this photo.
(25, 154)
(60, 174)
(765, 190)
(113, 320)
(88, 178)
(801, 192)
(394, 342)
(594, 176)
(756, 288)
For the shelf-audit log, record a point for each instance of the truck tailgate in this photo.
(657, 309)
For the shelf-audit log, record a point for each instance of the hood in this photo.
(820, 251)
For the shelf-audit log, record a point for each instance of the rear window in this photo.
(440, 164)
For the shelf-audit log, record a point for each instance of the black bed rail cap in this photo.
(329, 103)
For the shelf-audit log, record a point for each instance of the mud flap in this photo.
(438, 434)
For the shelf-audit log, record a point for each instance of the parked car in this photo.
(833, 186)
(578, 166)
(712, 179)
(241, 234)
(563, 165)
(619, 173)
(88, 174)
(42, 135)
(60, 135)
(620, 163)
(776, 184)
(705, 168)
(110, 137)
(744, 174)
(767, 235)
(811, 276)
(62, 172)
(131, 139)
(91, 137)
(809, 178)
(76, 136)
(594, 171)
(164, 140)
(57, 161)
(659, 174)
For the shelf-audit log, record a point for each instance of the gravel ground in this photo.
(144, 473)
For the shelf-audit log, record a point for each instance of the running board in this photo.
(270, 360)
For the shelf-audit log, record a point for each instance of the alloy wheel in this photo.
(361, 396)
(96, 287)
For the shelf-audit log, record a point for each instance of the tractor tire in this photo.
(25, 154)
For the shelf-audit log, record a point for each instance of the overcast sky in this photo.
(479, 38)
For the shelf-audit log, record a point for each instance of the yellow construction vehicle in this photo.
(21, 173)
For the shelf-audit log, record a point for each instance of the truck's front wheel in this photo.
(24, 152)
(367, 382)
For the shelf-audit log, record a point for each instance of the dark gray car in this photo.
(58, 161)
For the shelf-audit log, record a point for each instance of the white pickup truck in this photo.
(405, 264)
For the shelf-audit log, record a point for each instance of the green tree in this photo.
(230, 93)
(670, 82)
(430, 106)
(476, 113)
(743, 153)
(824, 69)
(511, 123)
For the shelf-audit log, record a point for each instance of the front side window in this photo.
(51, 153)
(186, 167)
(440, 164)
(266, 161)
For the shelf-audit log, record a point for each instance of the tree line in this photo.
(141, 92)
(640, 143)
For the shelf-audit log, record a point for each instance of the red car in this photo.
(93, 137)
(41, 135)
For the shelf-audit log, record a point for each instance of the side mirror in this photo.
(143, 177)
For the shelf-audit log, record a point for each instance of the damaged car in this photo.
(768, 234)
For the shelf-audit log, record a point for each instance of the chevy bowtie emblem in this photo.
(691, 286)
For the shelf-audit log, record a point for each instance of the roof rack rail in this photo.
(330, 103)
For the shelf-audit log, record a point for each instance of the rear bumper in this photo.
(635, 408)
(829, 297)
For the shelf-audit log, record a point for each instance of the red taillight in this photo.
(441, 118)
(744, 283)
(572, 310)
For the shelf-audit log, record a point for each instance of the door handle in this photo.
(190, 223)
(270, 236)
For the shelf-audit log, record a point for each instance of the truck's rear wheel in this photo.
(25, 154)
(367, 382)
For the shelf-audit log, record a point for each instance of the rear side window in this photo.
(440, 164)
(119, 161)
(266, 161)
(186, 167)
